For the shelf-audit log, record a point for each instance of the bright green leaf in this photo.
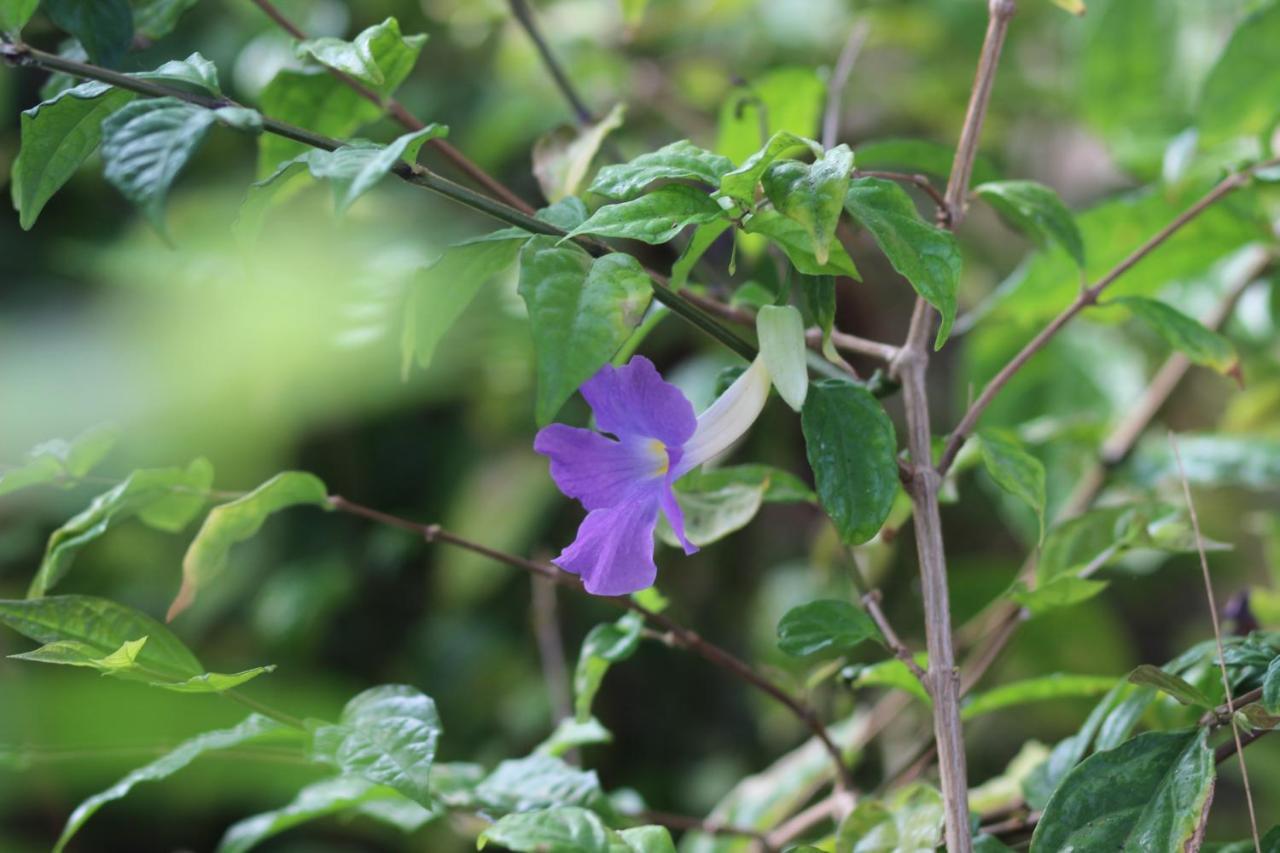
(680, 160)
(1184, 334)
(713, 511)
(781, 332)
(14, 14)
(1240, 96)
(740, 184)
(144, 146)
(52, 460)
(778, 485)
(653, 218)
(356, 168)
(646, 839)
(313, 99)
(892, 673)
(1271, 688)
(787, 99)
(580, 311)
(812, 195)
(1014, 470)
(852, 451)
(556, 830)
(1035, 210)
(828, 626)
(908, 821)
(572, 733)
(562, 157)
(1171, 684)
(1040, 689)
(237, 521)
(818, 295)
(155, 19)
(699, 242)
(1059, 592)
(926, 256)
(795, 242)
(195, 73)
(539, 782)
(103, 27)
(605, 645)
(379, 56)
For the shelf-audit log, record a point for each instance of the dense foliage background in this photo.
(283, 352)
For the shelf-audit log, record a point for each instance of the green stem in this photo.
(265, 710)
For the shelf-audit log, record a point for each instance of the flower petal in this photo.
(728, 418)
(613, 553)
(635, 400)
(598, 471)
(675, 516)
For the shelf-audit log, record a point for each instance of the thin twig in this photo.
(684, 637)
(524, 15)
(546, 630)
(1087, 297)
(871, 603)
(922, 182)
(1222, 714)
(1217, 635)
(406, 119)
(839, 78)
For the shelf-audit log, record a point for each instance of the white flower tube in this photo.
(728, 418)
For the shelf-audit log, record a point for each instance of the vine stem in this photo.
(23, 54)
(678, 634)
(406, 119)
(1217, 636)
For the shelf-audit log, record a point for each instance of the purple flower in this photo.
(625, 481)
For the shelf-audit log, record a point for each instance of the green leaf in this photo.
(155, 19)
(852, 451)
(165, 498)
(714, 510)
(919, 155)
(653, 218)
(680, 160)
(195, 73)
(1239, 97)
(51, 460)
(313, 99)
(240, 118)
(214, 682)
(580, 312)
(14, 14)
(572, 733)
(1092, 538)
(387, 735)
(740, 184)
(356, 168)
(699, 242)
(781, 332)
(539, 782)
(558, 830)
(1059, 685)
(1146, 794)
(1271, 688)
(103, 27)
(779, 486)
(791, 237)
(562, 156)
(908, 821)
(605, 645)
(1171, 684)
(340, 795)
(1248, 461)
(1059, 592)
(441, 291)
(379, 56)
(236, 521)
(646, 839)
(1035, 210)
(1184, 334)
(1014, 470)
(99, 628)
(57, 136)
(892, 673)
(812, 195)
(784, 99)
(824, 626)
(818, 295)
(925, 255)
(144, 146)
(252, 728)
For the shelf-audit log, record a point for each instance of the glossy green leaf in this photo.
(165, 498)
(57, 136)
(144, 146)
(441, 291)
(252, 728)
(195, 74)
(780, 330)
(14, 14)
(50, 461)
(580, 311)
(1043, 688)
(778, 485)
(1171, 684)
(1240, 96)
(236, 521)
(155, 19)
(655, 217)
(925, 255)
(356, 168)
(1271, 688)
(572, 733)
(818, 295)
(605, 645)
(386, 735)
(123, 663)
(1041, 782)
(680, 160)
(713, 511)
(379, 56)
(788, 99)
(699, 242)
(340, 795)
(539, 782)
(791, 237)
(1187, 335)
(852, 450)
(1014, 470)
(556, 830)
(313, 99)
(1146, 794)
(103, 27)
(562, 157)
(1059, 592)
(240, 118)
(908, 821)
(646, 839)
(214, 682)
(740, 184)
(1035, 210)
(812, 195)
(825, 626)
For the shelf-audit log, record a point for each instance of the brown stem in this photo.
(406, 119)
(916, 180)
(1087, 297)
(1220, 715)
(684, 637)
(524, 15)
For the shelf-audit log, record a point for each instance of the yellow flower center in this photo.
(661, 461)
